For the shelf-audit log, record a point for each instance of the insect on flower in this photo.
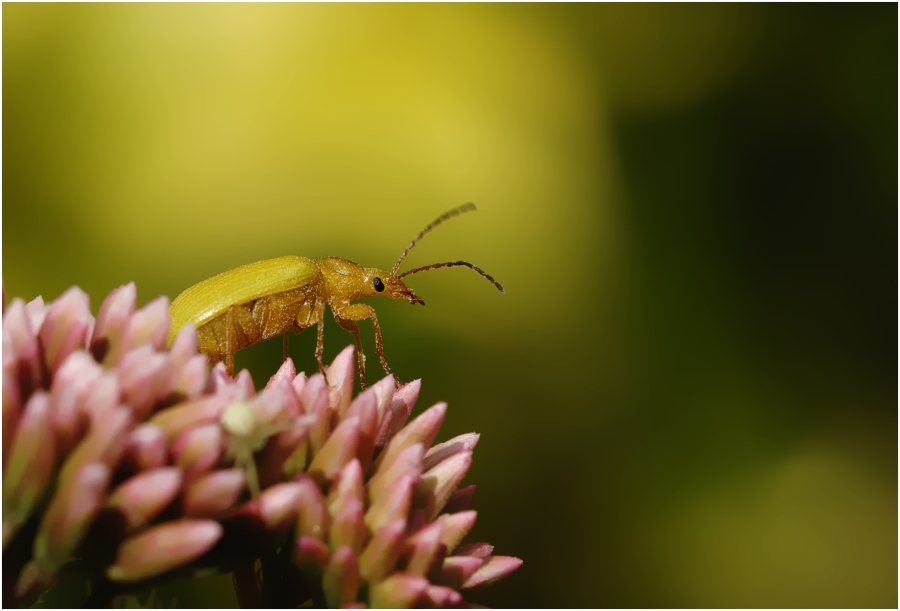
(263, 300)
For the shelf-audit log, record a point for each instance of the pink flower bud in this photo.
(348, 485)
(443, 451)
(383, 551)
(423, 549)
(313, 515)
(494, 569)
(213, 494)
(341, 579)
(407, 462)
(70, 512)
(402, 404)
(142, 497)
(112, 319)
(336, 452)
(458, 569)
(145, 448)
(340, 381)
(393, 503)
(400, 591)
(65, 328)
(347, 528)
(455, 527)
(31, 462)
(421, 430)
(310, 552)
(198, 449)
(162, 548)
(438, 484)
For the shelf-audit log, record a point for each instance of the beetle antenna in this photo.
(447, 215)
(454, 264)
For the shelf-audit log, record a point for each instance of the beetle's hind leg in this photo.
(351, 327)
(229, 342)
(229, 333)
(320, 335)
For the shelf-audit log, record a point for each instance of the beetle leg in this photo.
(284, 352)
(320, 337)
(361, 311)
(351, 327)
(229, 331)
(240, 331)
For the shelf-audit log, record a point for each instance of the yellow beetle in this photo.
(263, 300)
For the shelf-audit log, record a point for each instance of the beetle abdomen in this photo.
(211, 298)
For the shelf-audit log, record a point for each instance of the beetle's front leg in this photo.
(351, 327)
(361, 311)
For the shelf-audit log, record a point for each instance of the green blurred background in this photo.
(688, 395)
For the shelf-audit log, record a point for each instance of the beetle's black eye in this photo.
(379, 285)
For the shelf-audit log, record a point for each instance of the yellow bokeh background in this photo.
(681, 401)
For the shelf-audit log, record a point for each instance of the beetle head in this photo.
(380, 282)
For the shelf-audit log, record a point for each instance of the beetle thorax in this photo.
(344, 280)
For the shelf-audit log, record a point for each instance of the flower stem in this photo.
(245, 585)
(102, 594)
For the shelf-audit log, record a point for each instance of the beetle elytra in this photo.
(263, 300)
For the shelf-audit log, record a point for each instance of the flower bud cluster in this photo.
(129, 461)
